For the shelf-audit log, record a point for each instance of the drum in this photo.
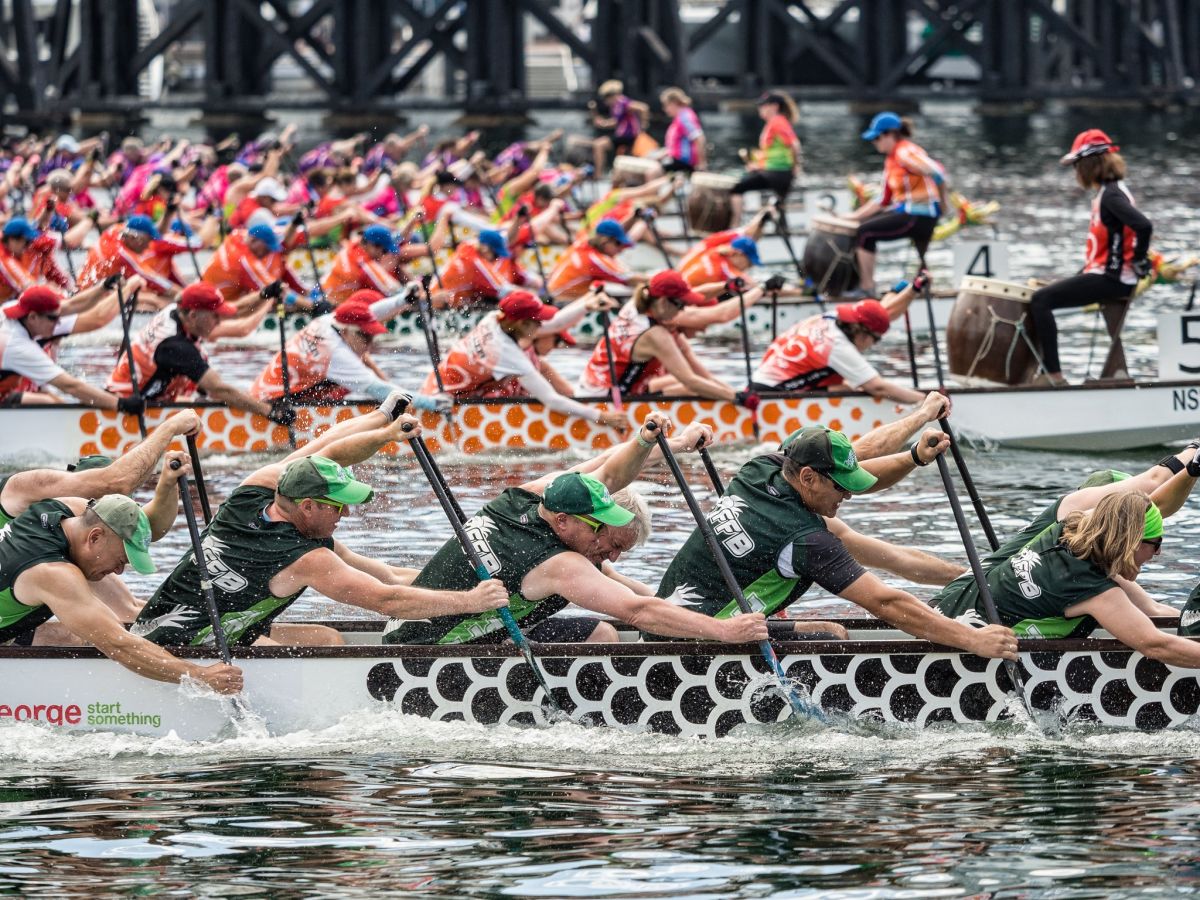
(709, 207)
(829, 261)
(990, 334)
(629, 171)
(578, 150)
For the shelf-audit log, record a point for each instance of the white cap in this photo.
(68, 143)
(260, 217)
(270, 187)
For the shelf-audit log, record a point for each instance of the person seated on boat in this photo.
(778, 159)
(494, 358)
(591, 260)
(826, 352)
(753, 230)
(723, 264)
(648, 354)
(129, 248)
(773, 518)
(627, 205)
(1118, 244)
(539, 215)
(272, 538)
(170, 359)
(27, 338)
(249, 261)
(684, 146)
(330, 358)
(18, 235)
(552, 542)
(1078, 575)
(912, 199)
(369, 263)
(56, 550)
(472, 276)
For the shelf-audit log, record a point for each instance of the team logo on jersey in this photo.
(229, 581)
(1023, 565)
(725, 519)
(478, 528)
(1189, 618)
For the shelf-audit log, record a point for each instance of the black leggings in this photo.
(894, 225)
(777, 180)
(1078, 290)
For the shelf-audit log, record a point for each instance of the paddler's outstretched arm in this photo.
(890, 469)
(62, 587)
(688, 440)
(1129, 625)
(1168, 490)
(891, 438)
(906, 612)
(619, 466)
(124, 476)
(375, 568)
(907, 562)
(1143, 601)
(350, 440)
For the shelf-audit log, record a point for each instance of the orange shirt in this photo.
(111, 255)
(234, 270)
(354, 270)
(471, 277)
(579, 267)
(14, 276)
(710, 266)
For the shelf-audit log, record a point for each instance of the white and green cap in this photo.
(129, 522)
(321, 478)
(583, 495)
(831, 453)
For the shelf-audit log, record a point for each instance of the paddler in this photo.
(553, 541)
(592, 259)
(369, 263)
(132, 248)
(772, 521)
(170, 358)
(473, 275)
(911, 201)
(50, 556)
(1118, 242)
(494, 358)
(272, 539)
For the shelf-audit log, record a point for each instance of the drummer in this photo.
(1118, 241)
(552, 542)
(649, 355)
(777, 160)
(626, 118)
(685, 149)
(825, 352)
(912, 199)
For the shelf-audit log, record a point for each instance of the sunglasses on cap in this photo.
(340, 507)
(595, 524)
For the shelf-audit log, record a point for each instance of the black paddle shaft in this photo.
(284, 368)
(432, 255)
(198, 474)
(425, 308)
(969, 482)
(524, 213)
(713, 475)
(135, 389)
(745, 321)
(206, 589)
(933, 332)
(912, 347)
(433, 470)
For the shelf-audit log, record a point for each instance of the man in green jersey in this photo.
(552, 542)
(54, 550)
(273, 537)
(771, 524)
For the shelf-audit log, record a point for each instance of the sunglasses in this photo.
(338, 506)
(53, 317)
(1156, 544)
(675, 302)
(595, 524)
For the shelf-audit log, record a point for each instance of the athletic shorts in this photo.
(563, 630)
(777, 180)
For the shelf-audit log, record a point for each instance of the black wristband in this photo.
(1171, 463)
(917, 461)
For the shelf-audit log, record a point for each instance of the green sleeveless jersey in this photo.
(1031, 589)
(5, 518)
(1189, 617)
(32, 538)
(244, 551)
(511, 540)
(775, 545)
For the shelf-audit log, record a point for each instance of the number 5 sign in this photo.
(1178, 346)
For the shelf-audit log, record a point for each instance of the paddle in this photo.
(284, 368)
(713, 475)
(782, 230)
(985, 592)
(62, 230)
(454, 513)
(614, 389)
(135, 389)
(523, 213)
(933, 332)
(969, 483)
(648, 216)
(312, 261)
(912, 347)
(432, 256)
(738, 284)
(425, 308)
(683, 218)
(206, 588)
(799, 706)
(198, 473)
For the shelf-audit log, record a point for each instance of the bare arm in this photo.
(220, 390)
(891, 437)
(1129, 625)
(164, 507)
(610, 571)
(268, 476)
(907, 562)
(890, 469)
(375, 568)
(906, 612)
(84, 392)
(1143, 601)
(889, 390)
(696, 317)
(660, 344)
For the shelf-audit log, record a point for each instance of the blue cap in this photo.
(381, 237)
(611, 228)
(20, 227)
(884, 121)
(747, 246)
(267, 235)
(495, 242)
(144, 224)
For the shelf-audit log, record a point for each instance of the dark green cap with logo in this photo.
(583, 495)
(829, 452)
(321, 478)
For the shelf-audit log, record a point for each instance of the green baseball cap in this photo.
(129, 522)
(95, 461)
(829, 452)
(583, 495)
(321, 477)
(1102, 477)
(1154, 524)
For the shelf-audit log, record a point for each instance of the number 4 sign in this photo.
(980, 259)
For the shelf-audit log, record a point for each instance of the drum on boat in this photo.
(991, 334)
(578, 150)
(629, 171)
(829, 261)
(710, 203)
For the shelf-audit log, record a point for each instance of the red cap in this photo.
(37, 299)
(203, 295)
(868, 313)
(357, 313)
(1092, 142)
(669, 283)
(366, 295)
(523, 305)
